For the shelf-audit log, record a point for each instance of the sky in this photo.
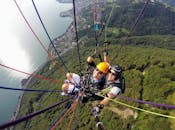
(11, 52)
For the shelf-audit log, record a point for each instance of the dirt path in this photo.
(125, 113)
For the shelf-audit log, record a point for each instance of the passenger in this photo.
(116, 83)
(72, 84)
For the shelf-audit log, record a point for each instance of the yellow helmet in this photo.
(103, 67)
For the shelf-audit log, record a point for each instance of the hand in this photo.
(95, 111)
(105, 52)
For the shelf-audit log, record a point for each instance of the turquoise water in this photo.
(19, 48)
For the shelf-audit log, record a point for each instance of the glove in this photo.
(84, 99)
(100, 106)
(91, 63)
(96, 110)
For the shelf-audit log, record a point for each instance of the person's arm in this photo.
(112, 94)
(69, 76)
(105, 56)
(106, 99)
(104, 102)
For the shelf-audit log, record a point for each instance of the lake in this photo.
(19, 48)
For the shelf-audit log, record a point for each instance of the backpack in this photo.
(123, 84)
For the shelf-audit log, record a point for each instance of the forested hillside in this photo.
(148, 61)
(171, 2)
(150, 67)
(157, 19)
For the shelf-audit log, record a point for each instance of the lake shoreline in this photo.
(20, 98)
(66, 37)
(63, 44)
(67, 40)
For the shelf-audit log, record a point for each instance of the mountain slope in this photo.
(149, 68)
(170, 2)
(157, 19)
(158, 67)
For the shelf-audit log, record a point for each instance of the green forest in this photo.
(157, 19)
(148, 61)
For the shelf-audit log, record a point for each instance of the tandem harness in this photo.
(90, 88)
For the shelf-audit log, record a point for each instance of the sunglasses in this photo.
(99, 72)
(112, 73)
